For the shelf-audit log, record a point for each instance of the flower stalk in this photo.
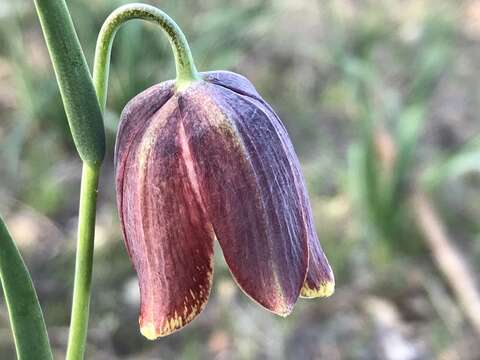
(83, 263)
(185, 67)
(86, 125)
(84, 102)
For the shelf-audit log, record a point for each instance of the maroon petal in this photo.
(249, 190)
(137, 113)
(320, 280)
(168, 236)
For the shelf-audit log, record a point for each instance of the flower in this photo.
(213, 160)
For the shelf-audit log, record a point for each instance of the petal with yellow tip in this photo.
(249, 190)
(167, 233)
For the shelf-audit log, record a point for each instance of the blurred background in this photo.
(380, 98)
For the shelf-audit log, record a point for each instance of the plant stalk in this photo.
(86, 125)
(84, 114)
(83, 263)
(185, 67)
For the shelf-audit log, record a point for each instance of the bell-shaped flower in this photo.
(211, 161)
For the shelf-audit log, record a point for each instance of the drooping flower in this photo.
(213, 161)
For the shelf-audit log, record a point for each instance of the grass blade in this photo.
(26, 318)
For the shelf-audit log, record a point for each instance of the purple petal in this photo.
(320, 280)
(138, 112)
(248, 188)
(168, 236)
(233, 81)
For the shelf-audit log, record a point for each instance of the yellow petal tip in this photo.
(324, 290)
(149, 331)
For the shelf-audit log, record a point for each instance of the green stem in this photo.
(84, 262)
(84, 114)
(86, 125)
(185, 67)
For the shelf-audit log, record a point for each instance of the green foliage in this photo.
(382, 189)
(460, 162)
(74, 80)
(26, 318)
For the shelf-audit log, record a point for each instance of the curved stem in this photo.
(185, 67)
(186, 73)
(84, 262)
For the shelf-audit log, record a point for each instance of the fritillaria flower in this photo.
(213, 161)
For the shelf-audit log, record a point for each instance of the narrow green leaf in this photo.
(26, 318)
(74, 80)
(464, 160)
